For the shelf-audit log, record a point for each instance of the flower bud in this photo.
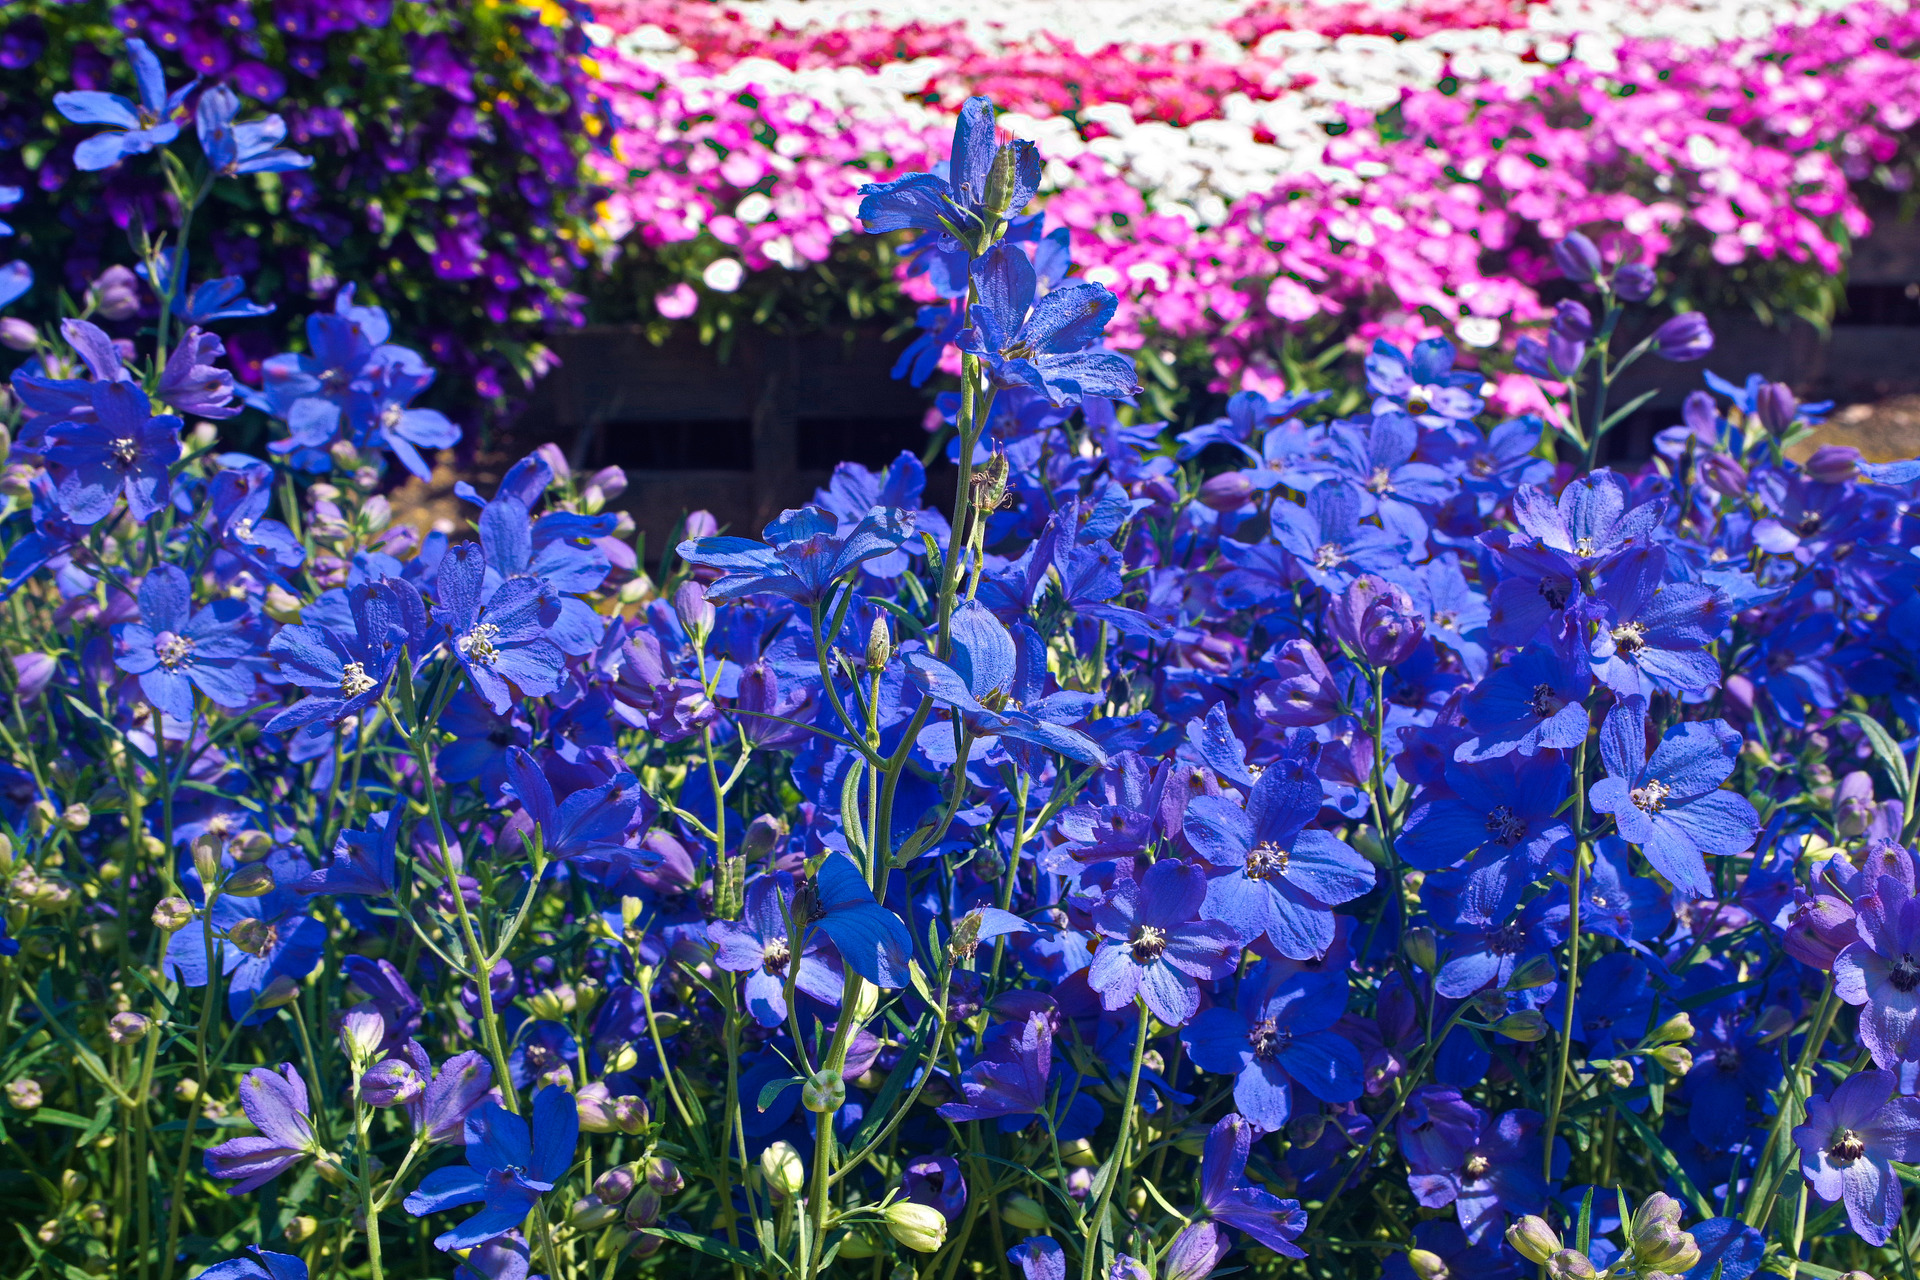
(252, 881)
(1427, 1266)
(643, 1209)
(858, 1244)
(1305, 1128)
(1023, 1213)
(783, 1169)
(1377, 620)
(1685, 337)
(1723, 475)
(127, 1028)
(1533, 1239)
(879, 643)
(391, 1082)
(255, 937)
(1079, 1153)
(630, 1114)
(919, 1227)
(250, 846)
(1634, 281)
(615, 1184)
(282, 991)
(301, 1229)
(1577, 258)
(1527, 1025)
(170, 915)
(1675, 1030)
(23, 1095)
(1569, 1265)
(1228, 491)
(32, 672)
(695, 613)
(281, 605)
(361, 1031)
(1777, 408)
(1620, 1073)
(1572, 321)
(1423, 949)
(1677, 1059)
(664, 1176)
(551, 1005)
(589, 1214)
(18, 335)
(1833, 463)
(824, 1091)
(115, 294)
(206, 858)
(76, 817)
(1537, 972)
(989, 484)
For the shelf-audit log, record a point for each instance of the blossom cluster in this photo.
(1285, 167)
(1348, 834)
(443, 143)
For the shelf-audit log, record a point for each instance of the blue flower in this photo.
(1326, 540)
(590, 822)
(352, 670)
(236, 147)
(1613, 1007)
(871, 939)
(123, 448)
(1654, 635)
(1672, 805)
(1016, 1085)
(1051, 346)
(264, 1265)
(806, 555)
(1425, 386)
(1284, 878)
(509, 1167)
(363, 861)
(223, 298)
(1536, 701)
(377, 407)
(1485, 1168)
(255, 941)
(1278, 1035)
(238, 498)
(1228, 1200)
(995, 686)
(759, 945)
(174, 650)
(15, 279)
(1156, 948)
(957, 206)
(559, 552)
(192, 383)
(503, 645)
(1501, 814)
(137, 127)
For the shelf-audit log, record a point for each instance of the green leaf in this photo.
(1885, 750)
(1619, 414)
(896, 1082)
(51, 1115)
(774, 1088)
(1583, 1233)
(1668, 1165)
(712, 1248)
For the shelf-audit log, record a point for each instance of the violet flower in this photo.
(1224, 1198)
(1847, 1144)
(276, 1103)
(1278, 1035)
(1156, 946)
(759, 946)
(510, 1165)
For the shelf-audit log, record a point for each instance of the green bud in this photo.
(783, 1169)
(1537, 972)
(1677, 1059)
(1533, 1239)
(1427, 1266)
(1023, 1213)
(1526, 1026)
(858, 1244)
(1423, 949)
(920, 1227)
(879, 643)
(824, 1091)
(1569, 1265)
(251, 881)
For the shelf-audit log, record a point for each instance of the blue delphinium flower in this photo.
(192, 383)
(1226, 1199)
(1672, 804)
(234, 147)
(122, 447)
(1486, 1169)
(759, 945)
(1157, 946)
(1654, 635)
(995, 693)
(1502, 815)
(363, 862)
(222, 298)
(345, 672)
(1051, 345)
(589, 823)
(263, 1265)
(1425, 386)
(1283, 879)
(1879, 971)
(510, 1165)
(276, 1103)
(256, 940)
(957, 205)
(1536, 701)
(1847, 1146)
(503, 643)
(1613, 1006)
(175, 649)
(137, 127)
(1278, 1035)
(1326, 540)
(802, 557)
(380, 410)
(869, 938)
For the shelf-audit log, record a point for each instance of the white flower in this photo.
(1478, 331)
(723, 275)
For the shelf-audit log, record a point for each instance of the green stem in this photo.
(1099, 1214)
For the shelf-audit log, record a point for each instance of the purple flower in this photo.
(1486, 1169)
(388, 992)
(1577, 258)
(1155, 946)
(1015, 1085)
(264, 1265)
(509, 1167)
(174, 650)
(122, 448)
(1326, 540)
(1227, 1200)
(1672, 805)
(1050, 345)
(503, 644)
(1285, 878)
(995, 685)
(759, 946)
(1684, 338)
(1653, 633)
(1039, 1258)
(346, 673)
(1536, 701)
(192, 383)
(936, 1181)
(1276, 1036)
(1881, 971)
(1376, 621)
(461, 1084)
(137, 127)
(276, 1103)
(363, 861)
(1846, 1145)
(224, 298)
(590, 823)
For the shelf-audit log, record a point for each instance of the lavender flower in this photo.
(276, 1103)
(1847, 1143)
(1156, 946)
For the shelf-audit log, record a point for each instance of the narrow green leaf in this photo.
(774, 1088)
(1668, 1165)
(1583, 1232)
(711, 1247)
(1885, 749)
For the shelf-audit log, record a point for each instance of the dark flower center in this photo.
(774, 958)
(125, 449)
(1268, 1040)
(1505, 826)
(1629, 637)
(1848, 1147)
(1505, 940)
(1555, 592)
(1904, 973)
(173, 651)
(1651, 798)
(1417, 404)
(1481, 465)
(1727, 1060)
(1545, 702)
(1328, 556)
(1020, 349)
(336, 380)
(1477, 1166)
(1148, 942)
(1266, 859)
(1808, 526)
